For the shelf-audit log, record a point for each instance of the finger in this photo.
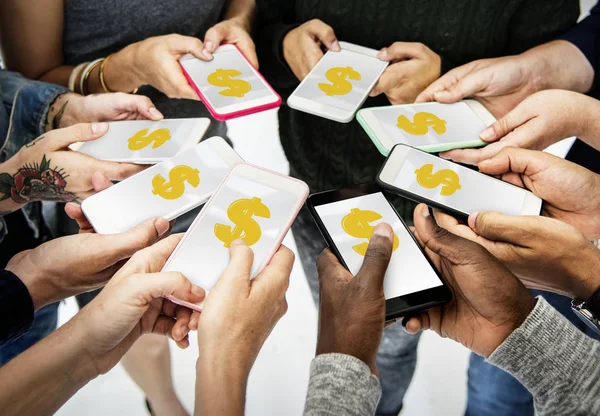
(521, 161)
(520, 115)
(241, 258)
(213, 38)
(75, 212)
(387, 81)
(278, 270)
(166, 326)
(416, 324)
(181, 328)
(445, 82)
(83, 132)
(150, 286)
(312, 55)
(377, 258)
(143, 235)
(100, 182)
(115, 171)
(330, 270)
(140, 104)
(400, 51)
(325, 35)
(248, 49)
(475, 156)
(194, 320)
(187, 44)
(516, 230)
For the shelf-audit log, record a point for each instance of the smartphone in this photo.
(347, 218)
(253, 204)
(168, 189)
(446, 185)
(431, 127)
(229, 85)
(339, 84)
(145, 141)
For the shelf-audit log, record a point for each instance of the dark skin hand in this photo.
(352, 308)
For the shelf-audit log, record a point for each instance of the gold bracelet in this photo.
(86, 74)
(103, 81)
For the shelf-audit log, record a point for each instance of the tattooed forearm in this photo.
(37, 182)
(59, 115)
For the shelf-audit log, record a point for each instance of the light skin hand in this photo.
(413, 66)
(488, 301)
(544, 253)
(302, 46)
(237, 317)
(352, 308)
(570, 192)
(46, 170)
(79, 263)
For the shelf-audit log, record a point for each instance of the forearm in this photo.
(220, 387)
(242, 10)
(558, 65)
(43, 378)
(555, 361)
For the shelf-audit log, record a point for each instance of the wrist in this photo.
(585, 278)
(121, 73)
(38, 285)
(63, 111)
(520, 313)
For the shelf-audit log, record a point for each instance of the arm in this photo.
(241, 10)
(555, 361)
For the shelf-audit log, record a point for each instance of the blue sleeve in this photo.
(586, 36)
(16, 307)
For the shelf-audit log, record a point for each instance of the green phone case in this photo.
(432, 148)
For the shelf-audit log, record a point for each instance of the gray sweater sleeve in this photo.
(555, 361)
(341, 385)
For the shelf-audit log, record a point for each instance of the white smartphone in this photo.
(145, 141)
(168, 189)
(229, 85)
(423, 177)
(339, 84)
(252, 204)
(431, 127)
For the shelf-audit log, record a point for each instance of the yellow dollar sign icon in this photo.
(175, 187)
(421, 123)
(339, 81)
(142, 139)
(240, 212)
(236, 87)
(446, 177)
(357, 224)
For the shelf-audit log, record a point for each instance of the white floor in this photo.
(278, 381)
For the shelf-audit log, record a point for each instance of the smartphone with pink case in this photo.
(252, 204)
(229, 85)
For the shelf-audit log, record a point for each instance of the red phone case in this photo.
(235, 114)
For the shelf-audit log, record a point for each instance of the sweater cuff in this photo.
(549, 355)
(341, 384)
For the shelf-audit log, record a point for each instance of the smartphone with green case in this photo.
(431, 127)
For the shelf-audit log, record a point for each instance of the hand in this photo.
(302, 46)
(488, 301)
(232, 31)
(71, 265)
(70, 109)
(132, 304)
(413, 66)
(237, 317)
(544, 253)
(571, 193)
(155, 61)
(74, 211)
(46, 170)
(352, 308)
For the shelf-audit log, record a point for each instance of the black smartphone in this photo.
(440, 183)
(347, 218)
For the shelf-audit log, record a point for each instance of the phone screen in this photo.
(139, 140)
(176, 185)
(350, 224)
(430, 124)
(226, 80)
(242, 208)
(341, 79)
(457, 187)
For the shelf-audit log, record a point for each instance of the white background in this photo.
(279, 378)
(408, 271)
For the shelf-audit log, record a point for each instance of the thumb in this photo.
(416, 323)
(83, 132)
(213, 38)
(515, 230)
(240, 263)
(143, 235)
(150, 286)
(520, 115)
(100, 182)
(377, 258)
(468, 86)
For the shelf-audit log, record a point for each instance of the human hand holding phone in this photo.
(545, 253)
(571, 193)
(238, 315)
(488, 301)
(234, 31)
(352, 308)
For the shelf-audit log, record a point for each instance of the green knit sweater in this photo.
(329, 155)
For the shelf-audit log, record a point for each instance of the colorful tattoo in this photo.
(58, 117)
(36, 182)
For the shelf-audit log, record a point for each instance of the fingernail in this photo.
(440, 94)
(383, 230)
(473, 219)
(99, 128)
(155, 113)
(207, 54)
(238, 242)
(198, 291)
(335, 46)
(444, 156)
(487, 134)
(383, 54)
(209, 46)
(162, 226)
(425, 211)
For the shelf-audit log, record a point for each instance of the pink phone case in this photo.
(198, 307)
(235, 114)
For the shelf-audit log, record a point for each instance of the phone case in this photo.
(229, 116)
(269, 255)
(436, 148)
